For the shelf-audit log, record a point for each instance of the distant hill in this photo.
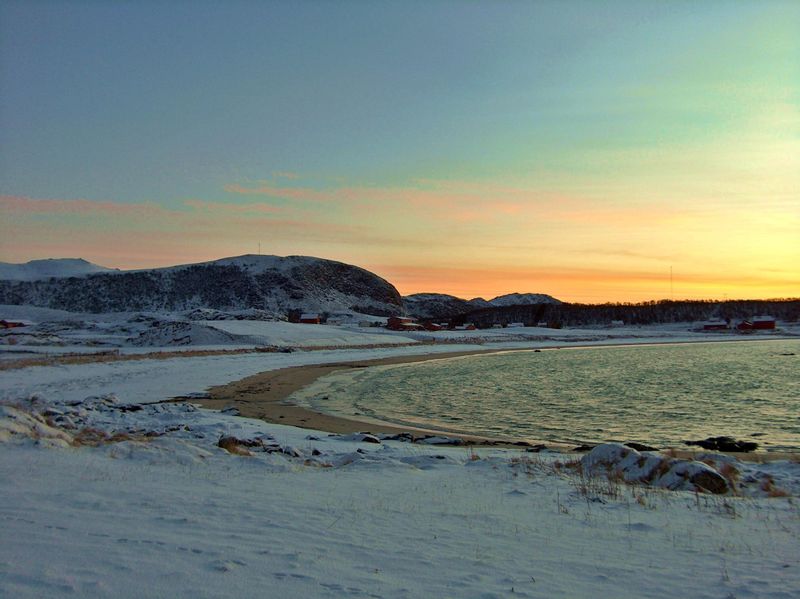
(50, 267)
(522, 299)
(439, 306)
(436, 306)
(272, 283)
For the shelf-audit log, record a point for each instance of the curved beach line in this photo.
(264, 396)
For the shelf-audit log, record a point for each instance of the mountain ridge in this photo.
(443, 306)
(50, 268)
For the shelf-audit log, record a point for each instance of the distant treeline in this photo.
(652, 312)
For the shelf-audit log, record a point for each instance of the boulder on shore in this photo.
(619, 461)
(724, 444)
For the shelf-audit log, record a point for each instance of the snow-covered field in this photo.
(107, 497)
(57, 331)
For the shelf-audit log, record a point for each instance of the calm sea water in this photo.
(658, 394)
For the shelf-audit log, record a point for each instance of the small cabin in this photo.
(715, 325)
(11, 324)
(516, 325)
(431, 326)
(763, 323)
(309, 319)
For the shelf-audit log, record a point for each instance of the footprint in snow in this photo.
(226, 565)
(639, 526)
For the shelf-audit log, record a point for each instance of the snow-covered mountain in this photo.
(51, 267)
(521, 299)
(271, 283)
(437, 306)
(442, 306)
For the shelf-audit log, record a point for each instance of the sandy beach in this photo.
(264, 395)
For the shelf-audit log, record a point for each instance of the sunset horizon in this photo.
(624, 152)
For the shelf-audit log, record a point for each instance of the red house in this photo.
(309, 319)
(758, 323)
(763, 323)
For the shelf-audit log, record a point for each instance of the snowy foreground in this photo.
(106, 492)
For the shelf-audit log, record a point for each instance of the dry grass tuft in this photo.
(231, 445)
(731, 474)
(93, 437)
(768, 486)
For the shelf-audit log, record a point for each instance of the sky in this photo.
(594, 151)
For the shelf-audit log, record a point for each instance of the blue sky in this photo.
(357, 114)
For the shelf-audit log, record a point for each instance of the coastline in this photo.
(263, 396)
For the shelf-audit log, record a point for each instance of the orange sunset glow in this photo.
(608, 170)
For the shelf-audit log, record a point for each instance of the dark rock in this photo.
(711, 481)
(438, 440)
(405, 437)
(536, 448)
(584, 448)
(728, 444)
(291, 451)
(640, 446)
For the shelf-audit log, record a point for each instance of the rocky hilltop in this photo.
(441, 306)
(272, 283)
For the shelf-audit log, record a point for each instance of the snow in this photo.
(176, 515)
(307, 335)
(108, 492)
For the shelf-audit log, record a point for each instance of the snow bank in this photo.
(151, 505)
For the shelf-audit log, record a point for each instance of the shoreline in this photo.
(263, 396)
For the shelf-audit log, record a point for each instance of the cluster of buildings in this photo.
(757, 323)
(405, 323)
